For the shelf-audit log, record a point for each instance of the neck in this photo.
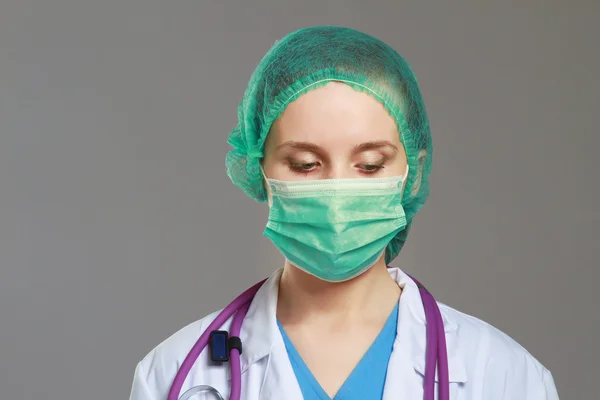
(304, 298)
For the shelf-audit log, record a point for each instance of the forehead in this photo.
(334, 114)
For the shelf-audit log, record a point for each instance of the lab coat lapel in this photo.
(259, 328)
(262, 338)
(400, 378)
(406, 367)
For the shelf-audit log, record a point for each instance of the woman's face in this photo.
(334, 132)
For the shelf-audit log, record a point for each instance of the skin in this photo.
(334, 132)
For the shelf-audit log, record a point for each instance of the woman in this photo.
(334, 136)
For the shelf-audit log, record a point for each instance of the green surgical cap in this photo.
(310, 58)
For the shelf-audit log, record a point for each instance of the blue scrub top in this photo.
(366, 381)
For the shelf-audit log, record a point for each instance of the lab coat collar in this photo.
(412, 330)
(261, 337)
(259, 330)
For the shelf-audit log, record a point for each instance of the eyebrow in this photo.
(308, 146)
(374, 145)
(300, 146)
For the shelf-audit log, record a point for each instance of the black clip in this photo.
(218, 346)
(235, 342)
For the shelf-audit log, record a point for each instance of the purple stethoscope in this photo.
(436, 352)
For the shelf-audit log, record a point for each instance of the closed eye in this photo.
(303, 167)
(371, 168)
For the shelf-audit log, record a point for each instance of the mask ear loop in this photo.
(404, 179)
(268, 187)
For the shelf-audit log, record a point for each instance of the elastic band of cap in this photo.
(255, 154)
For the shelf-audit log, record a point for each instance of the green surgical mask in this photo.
(334, 229)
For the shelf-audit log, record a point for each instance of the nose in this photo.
(339, 170)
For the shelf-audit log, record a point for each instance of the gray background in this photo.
(118, 224)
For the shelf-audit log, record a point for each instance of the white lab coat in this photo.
(484, 363)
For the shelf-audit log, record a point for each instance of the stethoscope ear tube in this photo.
(202, 342)
(431, 350)
(436, 353)
(442, 355)
(234, 357)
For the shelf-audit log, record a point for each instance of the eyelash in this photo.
(307, 168)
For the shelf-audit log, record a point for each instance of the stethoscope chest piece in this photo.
(210, 393)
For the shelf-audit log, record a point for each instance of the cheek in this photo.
(395, 168)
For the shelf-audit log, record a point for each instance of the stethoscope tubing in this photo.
(435, 354)
(202, 341)
(436, 351)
